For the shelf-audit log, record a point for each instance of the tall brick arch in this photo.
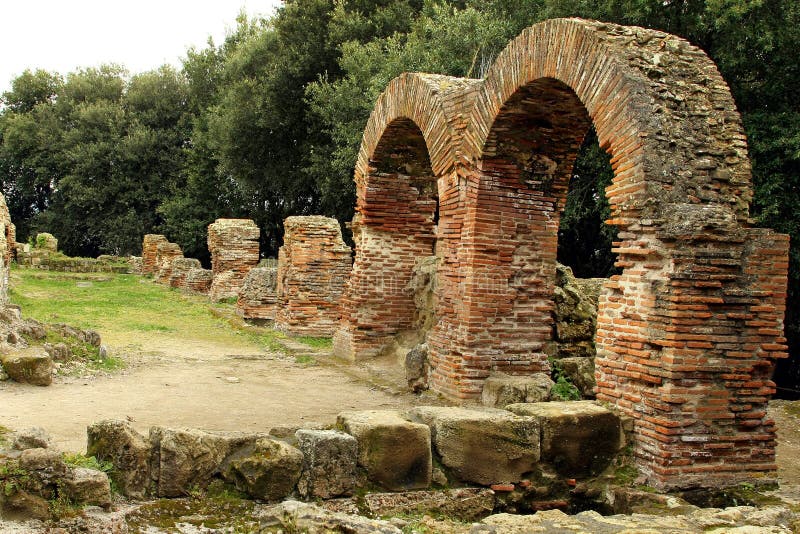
(406, 194)
(688, 333)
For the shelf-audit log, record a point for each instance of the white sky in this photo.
(64, 35)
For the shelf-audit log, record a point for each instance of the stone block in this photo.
(117, 442)
(501, 389)
(484, 446)
(395, 452)
(31, 366)
(182, 459)
(87, 486)
(267, 470)
(329, 465)
(579, 438)
(31, 438)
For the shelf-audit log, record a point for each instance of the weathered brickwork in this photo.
(166, 253)
(687, 335)
(150, 252)
(233, 244)
(199, 280)
(180, 268)
(313, 266)
(258, 298)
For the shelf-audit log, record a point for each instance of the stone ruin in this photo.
(8, 239)
(475, 172)
(150, 264)
(258, 298)
(166, 253)
(234, 248)
(313, 266)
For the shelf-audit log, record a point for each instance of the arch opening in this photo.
(395, 235)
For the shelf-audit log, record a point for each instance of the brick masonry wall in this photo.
(198, 280)
(258, 298)
(166, 253)
(313, 265)
(150, 252)
(7, 247)
(180, 268)
(687, 335)
(233, 244)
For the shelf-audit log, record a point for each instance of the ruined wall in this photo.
(198, 280)
(166, 253)
(313, 266)
(150, 252)
(233, 244)
(181, 267)
(258, 298)
(7, 247)
(688, 333)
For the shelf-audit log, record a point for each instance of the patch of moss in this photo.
(206, 510)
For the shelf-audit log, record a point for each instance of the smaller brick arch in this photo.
(409, 148)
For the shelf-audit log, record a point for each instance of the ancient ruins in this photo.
(233, 244)
(476, 172)
(7, 246)
(313, 266)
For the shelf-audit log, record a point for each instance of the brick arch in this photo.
(688, 333)
(404, 182)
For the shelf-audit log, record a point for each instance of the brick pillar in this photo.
(234, 248)
(395, 229)
(313, 267)
(150, 252)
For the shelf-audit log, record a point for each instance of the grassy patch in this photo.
(81, 460)
(325, 343)
(305, 359)
(123, 308)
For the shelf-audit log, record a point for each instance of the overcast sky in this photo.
(63, 35)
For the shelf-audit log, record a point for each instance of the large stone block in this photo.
(117, 442)
(395, 452)
(501, 389)
(329, 466)
(31, 366)
(484, 446)
(267, 470)
(182, 459)
(579, 438)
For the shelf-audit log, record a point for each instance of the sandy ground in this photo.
(200, 384)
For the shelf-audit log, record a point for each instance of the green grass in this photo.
(122, 308)
(305, 359)
(325, 343)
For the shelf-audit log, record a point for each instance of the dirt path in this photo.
(199, 384)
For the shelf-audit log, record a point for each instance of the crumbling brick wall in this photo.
(198, 280)
(233, 244)
(258, 298)
(181, 267)
(150, 252)
(688, 333)
(313, 266)
(165, 255)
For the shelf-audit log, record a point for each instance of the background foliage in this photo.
(267, 124)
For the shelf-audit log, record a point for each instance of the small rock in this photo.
(296, 516)
(58, 351)
(467, 504)
(501, 389)
(31, 438)
(117, 442)
(395, 452)
(417, 368)
(21, 505)
(88, 486)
